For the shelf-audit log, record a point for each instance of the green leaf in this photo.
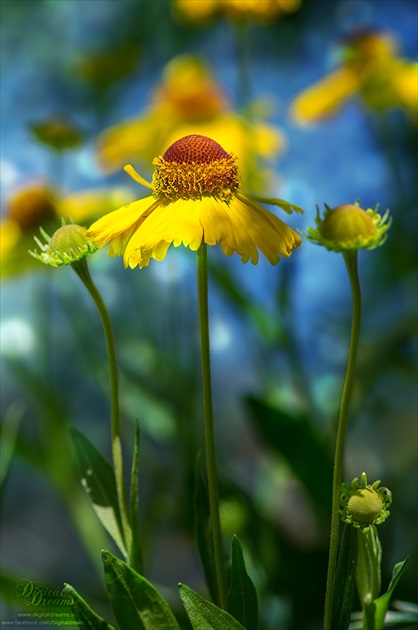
(382, 603)
(136, 602)
(135, 553)
(202, 529)
(204, 615)
(98, 479)
(82, 612)
(8, 436)
(242, 600)
(345, 580)
(297, 440)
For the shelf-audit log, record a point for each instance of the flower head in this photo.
(68, 245)
(189, 100)
(362, 504)
(349, 227)
(371, 68)
(196, 198)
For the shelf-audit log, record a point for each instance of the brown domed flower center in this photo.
(195, 166)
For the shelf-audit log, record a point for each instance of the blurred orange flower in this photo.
(371, 70)
(187, 101)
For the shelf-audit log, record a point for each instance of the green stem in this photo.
(350, 258)
(81, 268)
(243, 53)
(202, 285)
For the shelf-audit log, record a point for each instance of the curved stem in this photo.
(81, 268)
(350, 258)
(202, 285)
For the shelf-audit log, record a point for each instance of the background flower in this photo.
(371, 69)
(39, 205)
(190, 100)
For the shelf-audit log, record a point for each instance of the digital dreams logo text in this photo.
(34, 595)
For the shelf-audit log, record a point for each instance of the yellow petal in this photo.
(221, 225)
(176, 223)
(269, 234)
(116, 223)
(325, 98)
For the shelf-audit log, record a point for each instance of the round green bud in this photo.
(67, 245)
(349, 227)
(363, 504)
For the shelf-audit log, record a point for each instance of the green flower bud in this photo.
(363, 505)
(68, 245)
(349, 227)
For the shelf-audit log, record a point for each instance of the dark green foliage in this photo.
(242, 601)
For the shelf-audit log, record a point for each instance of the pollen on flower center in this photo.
(195, 166)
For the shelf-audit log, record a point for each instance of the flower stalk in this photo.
(81, 268)
(351, 261)
(202, 283)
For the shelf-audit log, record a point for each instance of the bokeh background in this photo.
(90, 85)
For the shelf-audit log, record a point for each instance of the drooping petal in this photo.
(325, 98)
(116, 223)
(267, 232)
(176, 223)
(221, 225)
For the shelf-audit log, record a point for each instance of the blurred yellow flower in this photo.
(196, 197)
(257, 10)
(189, 100)
(36, 205)
(371, 70)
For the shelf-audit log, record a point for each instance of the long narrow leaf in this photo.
(8, 436)
(98, 480)
(242, 601)
(382, 602)
(204, 615)
(136, 602)
(83, 614)
(135, 553)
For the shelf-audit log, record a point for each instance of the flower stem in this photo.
(350, 258)
(202, 285)
(81, 268)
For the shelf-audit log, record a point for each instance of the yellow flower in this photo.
(189, 100)
(196, 197)
(263, 11)
(36, 205)
(372, 70)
